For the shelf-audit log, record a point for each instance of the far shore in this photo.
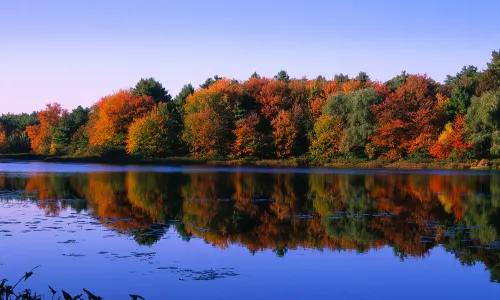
(428, 164)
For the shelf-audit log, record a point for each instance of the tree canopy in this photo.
(408, 116)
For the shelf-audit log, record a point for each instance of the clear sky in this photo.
(74, 52)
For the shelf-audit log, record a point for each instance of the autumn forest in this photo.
(409, 116)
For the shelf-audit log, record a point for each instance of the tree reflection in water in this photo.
(411, 213)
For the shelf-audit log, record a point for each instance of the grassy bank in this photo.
(482, 164)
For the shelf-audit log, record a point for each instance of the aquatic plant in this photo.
(8, 292)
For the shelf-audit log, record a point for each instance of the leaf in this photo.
(52, 290)
(66, 296)
(2, 284)
(69, 297)
(27, 275)
(92, 296)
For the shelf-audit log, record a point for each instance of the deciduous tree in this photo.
(41, 135)
(209, 119)
(483, 124)
(452, 141)
(154, 135)
(284, 134)
(407, 121)
(316, 95)
(4, 143)
(273, 97)
(111, 116)
(354, 109)
(328, 134)
(248, 140)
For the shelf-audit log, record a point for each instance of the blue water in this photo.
(240, 233)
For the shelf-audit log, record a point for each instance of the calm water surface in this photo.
(242, 233)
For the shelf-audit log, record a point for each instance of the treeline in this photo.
(409, 116)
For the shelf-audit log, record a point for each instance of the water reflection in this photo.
(411, 213)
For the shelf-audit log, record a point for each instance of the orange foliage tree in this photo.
(273, 97)
(284, 134)
(452, 141)
(4, 143)
(315, 90)
(352, 85)
(111, 116)
(382, 89)
(319, 90)
(248, 140)
(41, 134)
(253, 86)
(407, 120)
(298, 91)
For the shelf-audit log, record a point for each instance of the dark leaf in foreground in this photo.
(69, 297)
(92, 296)
(52, 290)
(27, 275)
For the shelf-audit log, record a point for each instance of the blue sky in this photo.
(74, 52)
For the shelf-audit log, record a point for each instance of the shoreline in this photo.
(482, 165)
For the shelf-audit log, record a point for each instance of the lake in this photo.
(250, 233)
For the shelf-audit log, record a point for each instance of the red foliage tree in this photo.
(331, 88)
(41, 134)
(382, 89)
(273, 97)
(407, 121)
(284, 134)
(253, 86)
(316, 96)
(298, 91)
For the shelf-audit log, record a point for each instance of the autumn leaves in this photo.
(280, 117)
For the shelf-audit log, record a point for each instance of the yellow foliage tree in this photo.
(328, 132)
(153, 135)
